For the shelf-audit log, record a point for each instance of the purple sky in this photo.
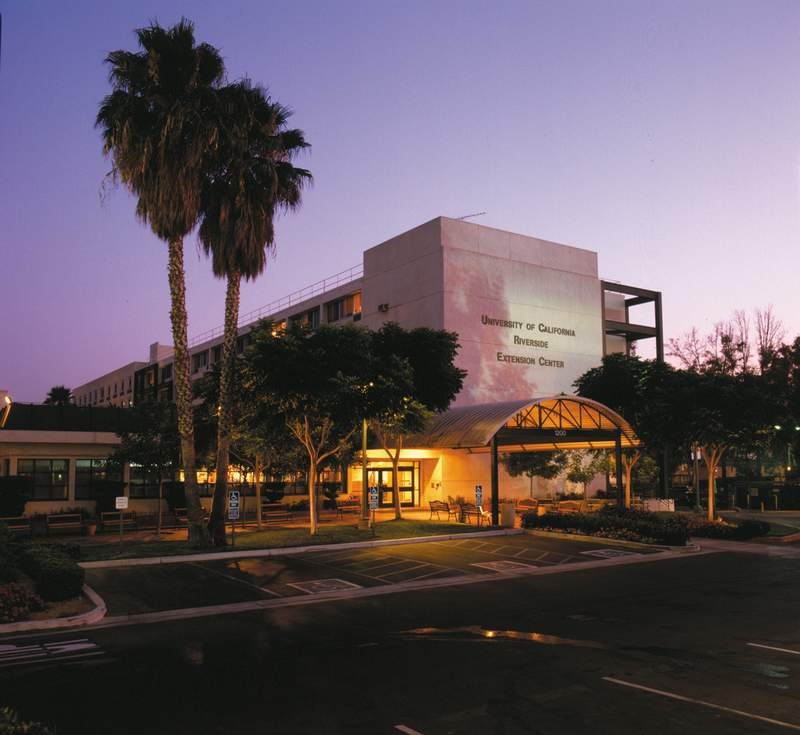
(664, 135)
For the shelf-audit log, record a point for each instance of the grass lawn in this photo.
(275, 539)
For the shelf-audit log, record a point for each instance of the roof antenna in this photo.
(469, 216)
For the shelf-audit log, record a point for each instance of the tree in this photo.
(158, 129)
(585, 466)
(153, 443)
(637, 390)
(414, 377)
(59, 395)
(252, 177)
(315, 384)
(721, 411)
(547, 465)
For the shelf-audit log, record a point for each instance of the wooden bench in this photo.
(569, 506)
(348, 505)
(439, 506)
(275, 513)
(111, 519)
(470, 510)
(65, 522)
(527, 505)
(18, 525)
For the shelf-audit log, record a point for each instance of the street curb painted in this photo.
(364, 592)
(789, 538)
(88, 618)
(288, 550)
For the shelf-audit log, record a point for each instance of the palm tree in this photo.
(252, 178)
(59, 395)
(157, 129)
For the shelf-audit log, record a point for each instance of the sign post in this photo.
(121, 504)
(478, 496)
(373, 504)
(233, 512)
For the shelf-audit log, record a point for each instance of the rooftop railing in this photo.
(308, 292)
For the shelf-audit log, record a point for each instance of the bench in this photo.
(569, 506)
(111, 519)
(18, 525)
(349, 505)
(527, 505)
(275, 513)
(439, 506)
(64, 522)
(470, 510)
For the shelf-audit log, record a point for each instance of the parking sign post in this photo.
(233, 513)
(373, 504)
(121, 504)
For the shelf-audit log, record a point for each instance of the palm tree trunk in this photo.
(712, 471)
(198, 535)
(398, 514)
(216, 525)
(312, 496)
(628, 488)
(257, 474)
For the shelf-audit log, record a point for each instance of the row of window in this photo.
(50, 478)
(104, 392)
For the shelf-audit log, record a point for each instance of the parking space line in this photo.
(407, 730)
(409, 569)
(236, 579)
(774, 648)
(711, 705)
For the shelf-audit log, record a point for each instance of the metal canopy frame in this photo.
(539, 425)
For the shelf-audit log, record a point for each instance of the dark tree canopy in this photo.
(59, 395)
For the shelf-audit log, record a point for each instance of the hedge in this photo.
(57, 576)
(742, 531)
(14, 492)
(17, 602)
(630, 526)
(11, 724)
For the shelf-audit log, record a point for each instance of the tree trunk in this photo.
(160, 495)
(216, 524)
(198, 534)
(257, 473)
(628, 488)
(712, 471)
(312, 496)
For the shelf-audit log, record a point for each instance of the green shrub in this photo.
(747, 529)
(273, 491)
(105, 493)
(175, 493)
(17, 602)
(14, 492)
(57, 576)
(628, 526)
(10, 724)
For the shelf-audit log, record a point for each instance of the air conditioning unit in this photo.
(383, 308)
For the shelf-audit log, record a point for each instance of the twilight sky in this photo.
(664, 135)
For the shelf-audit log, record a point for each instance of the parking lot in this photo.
(170, 586)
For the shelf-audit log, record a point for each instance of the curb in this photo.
(688, 549)
(288, 550)
(789, 538)
(87, 618)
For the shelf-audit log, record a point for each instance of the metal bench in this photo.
(569, 506)
(18, 525)
(111, 519)
(439, 506)
(65, 522)
(349, 505)
(275, 513)
(470, 510)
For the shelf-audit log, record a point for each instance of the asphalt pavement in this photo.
(694, 644)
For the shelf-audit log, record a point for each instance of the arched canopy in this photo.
(539, 424)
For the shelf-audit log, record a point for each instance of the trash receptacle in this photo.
(508, 515)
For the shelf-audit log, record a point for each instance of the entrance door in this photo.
(382, 479)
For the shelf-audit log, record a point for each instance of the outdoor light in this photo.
(6, 411)
(777, 427)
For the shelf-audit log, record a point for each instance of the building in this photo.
(531, 316)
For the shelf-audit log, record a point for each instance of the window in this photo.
(49, 477)
(216, 354)
(308, 318)
(344, 307)
(89, 473)
(166, 373)
(102, 393)
(130, 383)
(199, 361)
(143, 484)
